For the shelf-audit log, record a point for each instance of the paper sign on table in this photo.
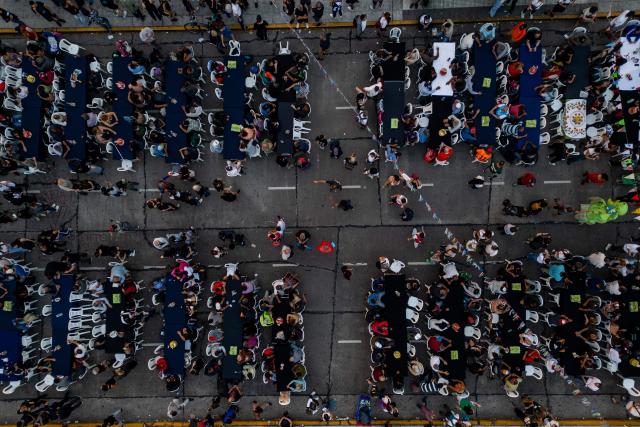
(454, 355)
(633, 306)
(236, 128)
(531, 123)
(486, 82)
(576, 298)
(231, 64)
(485, 121)
(514, 349)
(233, 350)
(7, 306)
(116, 298)
(394, 123)
(516, 286)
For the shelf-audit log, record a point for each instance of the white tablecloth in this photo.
(447, 53)
(630, 51)
(574, 120)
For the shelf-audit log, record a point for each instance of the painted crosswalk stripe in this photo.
(284, 265)
(346, 107)
(420, 263)
(558, 182)
(495, 183)
(281, 188)
(351, 187)
(349, 341)
(354, 264)
(426, 184)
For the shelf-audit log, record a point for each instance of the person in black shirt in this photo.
(260, 26)
(39, 8)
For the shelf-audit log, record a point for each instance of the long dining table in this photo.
(529, 80)
(232, 338)
(176, 138)
(122, 77)
(60, 306)
(75, 106)
(175, 318)
(233, 92)
(395, 301)
(484, 81)
(10, 337)
(32, 110)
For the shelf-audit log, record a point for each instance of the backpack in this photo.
(266, 319)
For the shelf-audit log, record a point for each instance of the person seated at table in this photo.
(500, 111)
(533, 39)
(517, 111)
(377, 374)
(136, 68)
(452, 123)
(301, 110)
(136, 99)
(516, 130)
(74, 79)
(438, 343)
(515, 68)
(380, 327)
(375, 299)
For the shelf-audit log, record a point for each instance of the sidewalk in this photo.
(272, 12)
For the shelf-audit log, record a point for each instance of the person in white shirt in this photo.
(532, 8)
(236, 10)
(175, 405)
(618, 22)
(382, 24)
(510, 229)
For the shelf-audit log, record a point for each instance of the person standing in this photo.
(560, 7)
(360, 23)
(317, 11)
(375, 4)
(302, 16)
(336, 8)
(38, 8)
(94, 16)
(236, 10)
(260, 27)
(152, 10)
(325, 43)
(497, 4)
(532, 8)
(383, 23)
(175, 405)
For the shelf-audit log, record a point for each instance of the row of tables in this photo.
(395, 301)
(75, 105)
(628, 83)
(175, 318)
(32, 109)
(232, 323)
(285, 100)
(393, 95)
(528, 97)
(176, 138)
(484, 80)
(10, 337)
(574, 123)
(123, 108)
(60, 306)
(233, 92)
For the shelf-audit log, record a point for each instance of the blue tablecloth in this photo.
(285, 119)
(10, 338)
(76, 128)
(122, 107)
(113, 318)
(175, 318)
(60, 306)
(393, 104)
(232, 340)
(176, 138)
(484, 80)
(528, 96)
(32, 111)
(233, 94)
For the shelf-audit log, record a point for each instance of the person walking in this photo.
(527, 180)
(94, 17)
(317, 11)
(336, 8)
(382, 24)
(175, 405)
(258, 409)
(560, 7)
(38, 8)
(360, 24)
(152, 10)
(236, 10)
(497, 4)
(260, 27)
(532, 8)
(325, 44)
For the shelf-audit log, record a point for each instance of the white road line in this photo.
(214, 266)
(354, 264)
(349, 341)
(495, 183)
(33, 191)
(351, 187)
(420, 263)
(284, 265)
(148, 190)
(281, 188)
(557, 182)
(93, 268)
(151, 344)
(154, 267)
(37, 269)
(426, 184)
(346, 107)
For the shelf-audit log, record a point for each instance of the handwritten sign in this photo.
(516, 286)
(576, 298)
(486, 82)
(394, 123)
(233, 350)
(7, 306)
(485, 121)
(531, 123)
(514, 349)
(633, 306)
(454, 355)
(236, 128)
(231, 64)
(115, 298)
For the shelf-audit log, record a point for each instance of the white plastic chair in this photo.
(466, 41)
(68, 47)
(152, 363)
(45, 383)
(250, 81)
(13, 386)
(394, 34)
(234, 48)
(533, 371)
(110, 67)
(415, 303)
(471, 332)
(46, 344)
(545, 138)
(630, 385)
(532, 316)
(396, 266)
(98, 331)
(412, 315)
(284, 50)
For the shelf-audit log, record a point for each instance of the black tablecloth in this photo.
(394, 69)
(393, 103)
(282, 349)
(441, 106)
(455, 312)
(60, 306)
(284, 63)
(285, 120)
(233, 94)
(232, 340)
(176, 138)
(580, 67)
(395, 302)
(632, 128)
(113, 320)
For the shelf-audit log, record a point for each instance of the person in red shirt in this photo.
(594, 178)
(528, 180)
